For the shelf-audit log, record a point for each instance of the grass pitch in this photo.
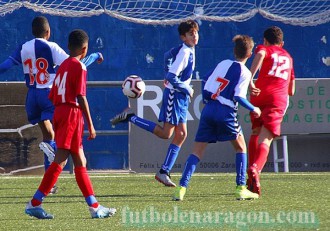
(290, 201)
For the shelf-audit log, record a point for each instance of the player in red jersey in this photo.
(270, 92)
(68, 95)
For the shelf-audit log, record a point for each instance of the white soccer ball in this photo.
(133, 86)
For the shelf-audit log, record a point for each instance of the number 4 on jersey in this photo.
(60, 83)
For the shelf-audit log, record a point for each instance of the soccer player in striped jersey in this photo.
(68, 94)
(270, 92)
(39, 58)
(226, 86)
(179, 67)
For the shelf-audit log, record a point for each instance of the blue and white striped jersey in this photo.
(180, 64)
(229, 79)
(39, 58)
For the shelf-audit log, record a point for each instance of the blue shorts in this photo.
(37, 105)
(218, 122)
(174, 107)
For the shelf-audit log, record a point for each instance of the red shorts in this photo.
(271, 114)
(68, 125)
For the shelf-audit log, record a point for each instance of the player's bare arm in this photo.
(83, 103)
(292, 87)
(256, 64)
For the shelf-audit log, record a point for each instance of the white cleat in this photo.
(48, 150)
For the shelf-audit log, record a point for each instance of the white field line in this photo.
(126, 175)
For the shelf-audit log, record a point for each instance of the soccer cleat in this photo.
(53, 190)
(165, 179)
(254, 180)
(122, 117)
(179, 193)
(242, 193)
(48, 150)
(37, 212)
(102, 212)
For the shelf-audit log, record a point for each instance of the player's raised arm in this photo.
(256, 64)
(88, 60)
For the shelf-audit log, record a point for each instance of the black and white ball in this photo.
(133, 86)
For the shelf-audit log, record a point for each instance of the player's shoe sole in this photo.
(122, 117)
(164, 179)
(53, 190)
(48, 150)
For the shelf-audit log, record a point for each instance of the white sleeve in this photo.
(59, 55)
(243, 84)
(180, 63)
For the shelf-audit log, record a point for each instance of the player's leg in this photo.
(129, 116)
(242, 193)
(253, 145)
(252, 152)
(48, 145)
(253, 142)
(80, 170)
(180, 134)
(189, 169)
(265, 139)
(86, 187)
(34, 113)
(50, 177)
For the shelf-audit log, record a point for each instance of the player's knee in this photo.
(181, 135)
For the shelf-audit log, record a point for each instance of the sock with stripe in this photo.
(48, 181)
(171, 156)
(85, 186)
(189, 169)
(241, 164)
(142, 123)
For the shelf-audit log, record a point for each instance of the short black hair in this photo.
(243, 46)
(274, 35)
(77, 39)
(186, 26)
(40, 26)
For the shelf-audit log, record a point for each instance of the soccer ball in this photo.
(133, 86)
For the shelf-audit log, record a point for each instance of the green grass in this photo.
(139, 200)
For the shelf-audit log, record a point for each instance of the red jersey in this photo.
(275, 74)
(70, 81)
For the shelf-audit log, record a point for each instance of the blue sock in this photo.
(241, 165)
(172, 154)
(90, 200)
(53, 145)
(144, 124)
(39, 196)
(189, 169)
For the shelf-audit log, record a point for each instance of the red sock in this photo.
(48, 181)
(50, 178)
(261, 156)
(83, 181)
(253, 145)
